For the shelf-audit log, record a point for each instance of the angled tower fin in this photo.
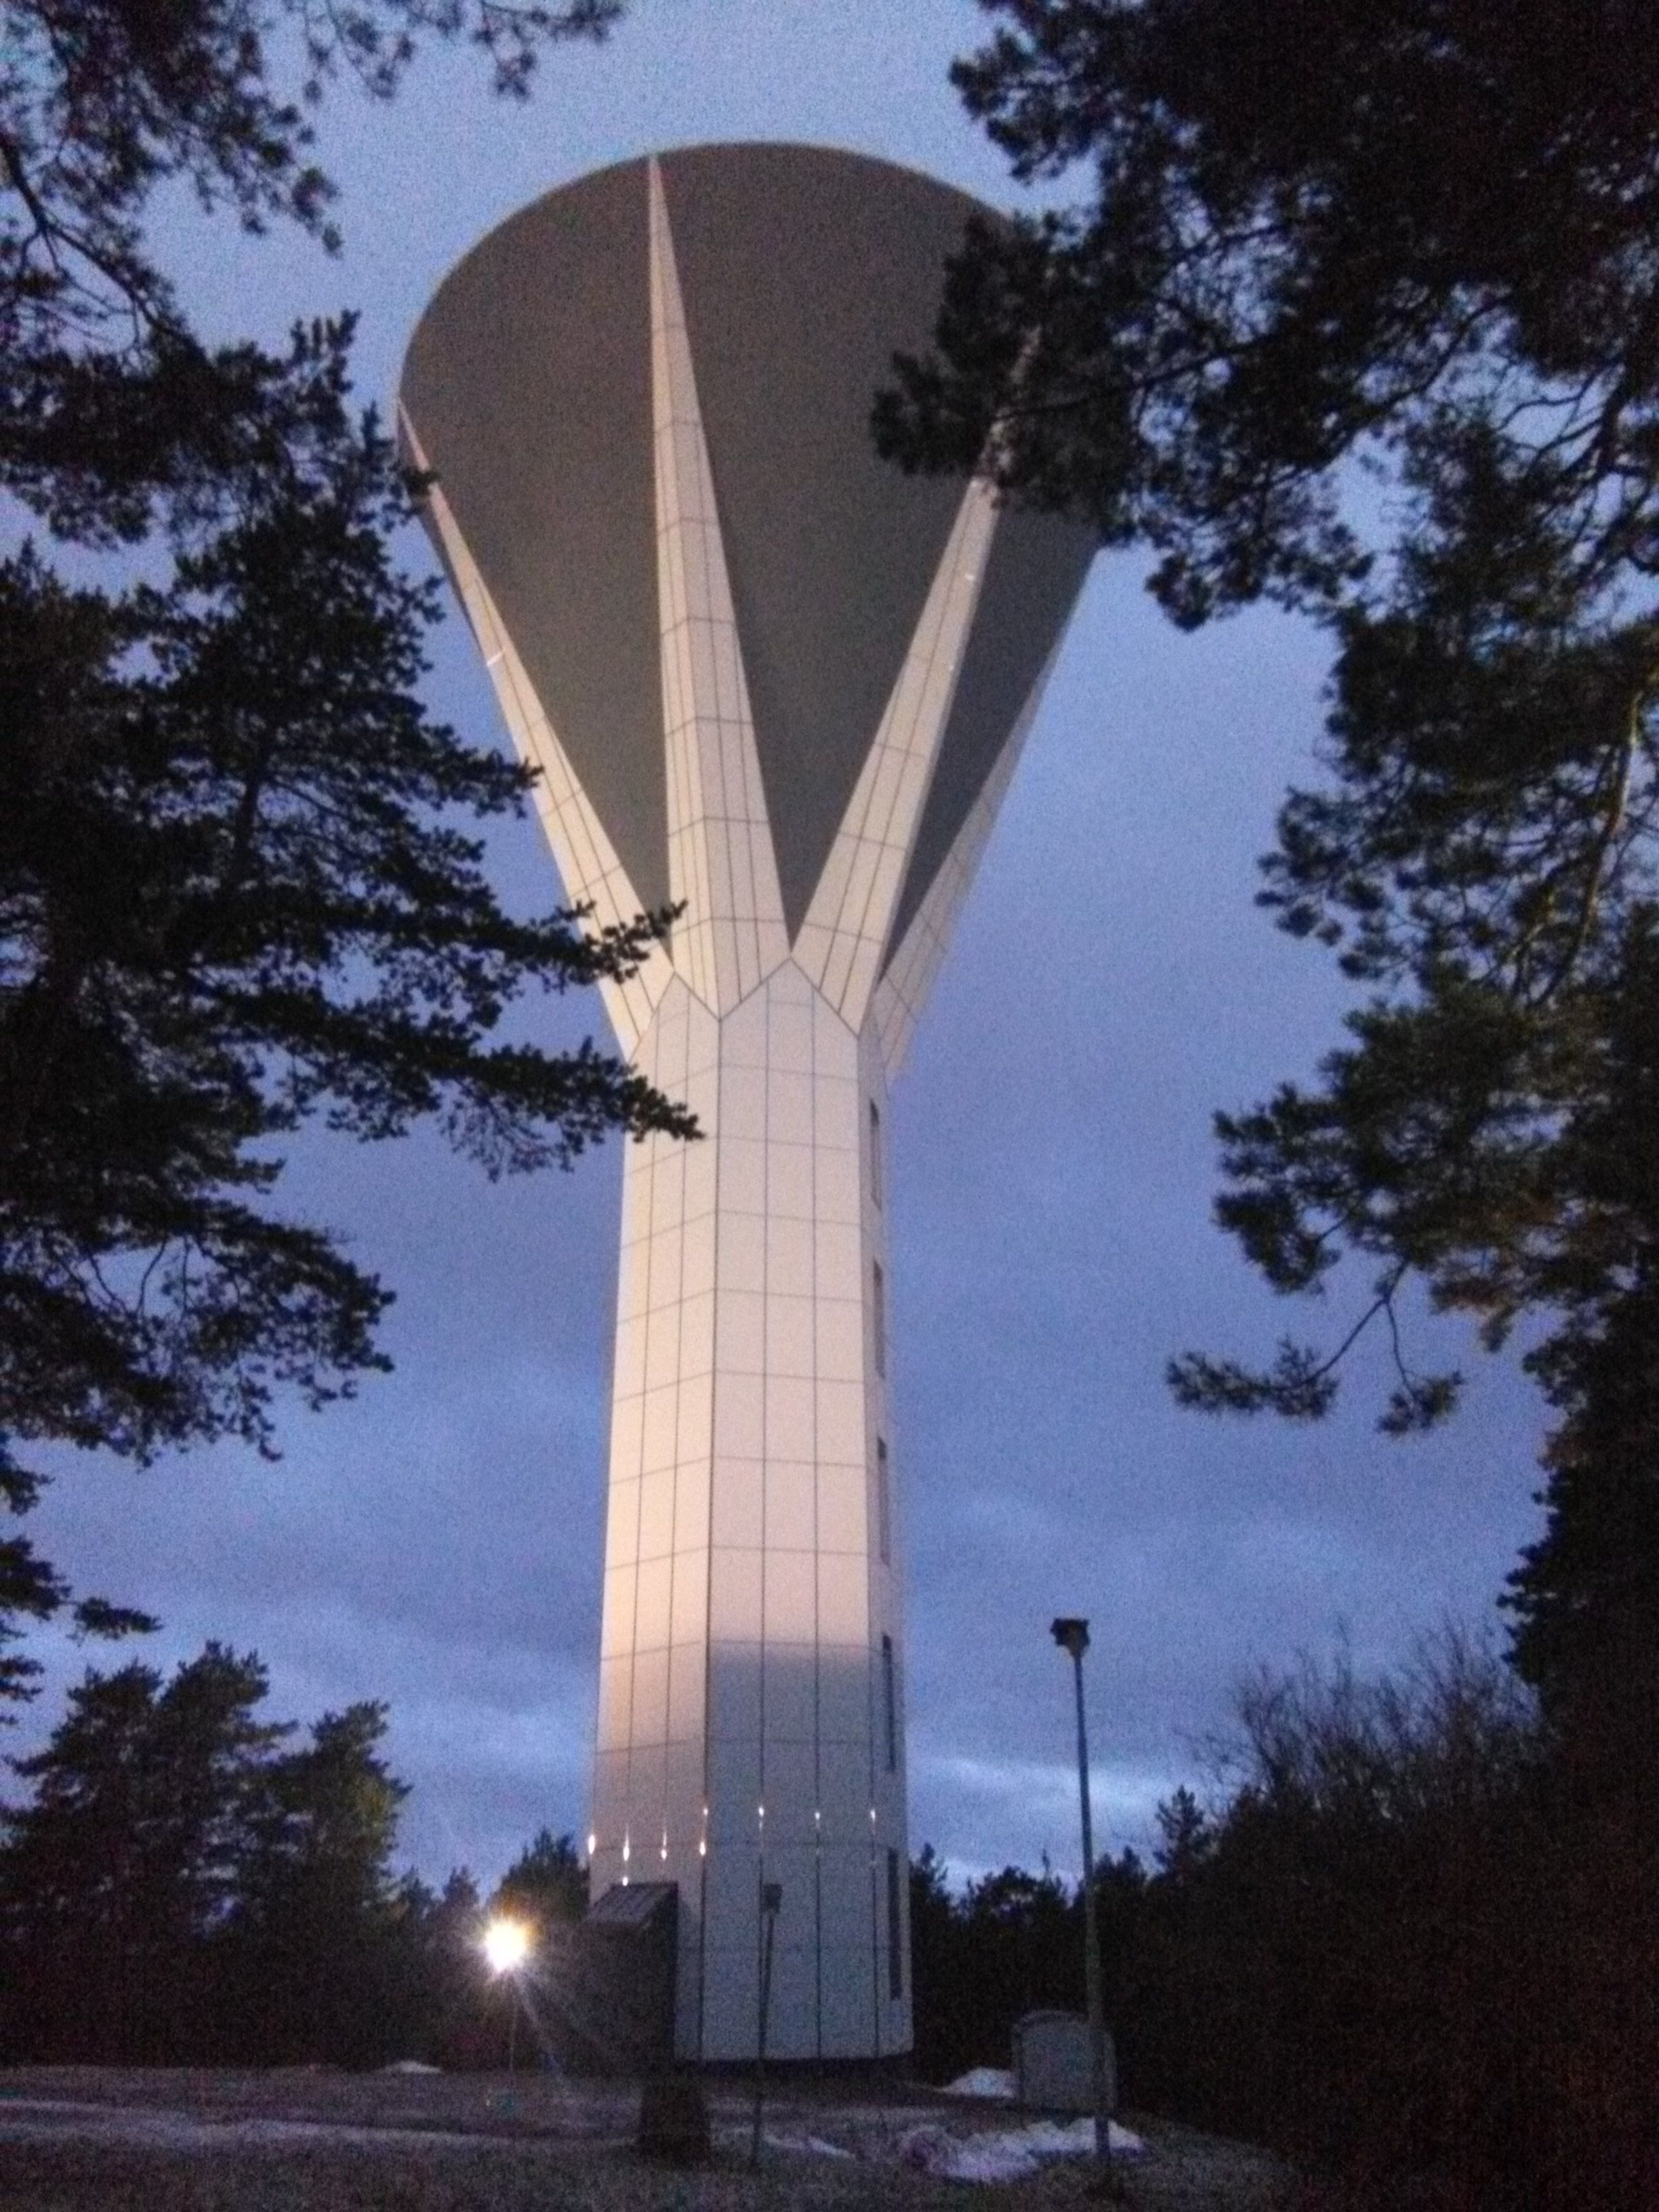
(589, 869)
(909, 975)
(720, 860)
(844, 936)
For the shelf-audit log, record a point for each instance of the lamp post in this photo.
(507, 1947)
(771, 1904)
(1073, 1637)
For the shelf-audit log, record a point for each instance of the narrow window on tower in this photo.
(883, 1505)
(875, 1154)
(894, 1931)
(889, 1704)
(879, 1317)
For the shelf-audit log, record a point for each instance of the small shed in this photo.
(607, 1989)
(631, 1942)
(1051, 2071)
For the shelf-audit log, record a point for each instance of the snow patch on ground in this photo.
(1010, 2154)
(814, 2145)
(988, 2082)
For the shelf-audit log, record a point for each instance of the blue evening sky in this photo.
(436, 1543)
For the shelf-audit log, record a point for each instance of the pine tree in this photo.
(545, 1884)
(1356, 310)
(310, 1949)
(188, 1883)
(125, 1866)
(239, 885)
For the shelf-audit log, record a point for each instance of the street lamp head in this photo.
(1072, 1635)
(506, 1945)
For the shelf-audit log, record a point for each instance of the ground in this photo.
(88, 2139)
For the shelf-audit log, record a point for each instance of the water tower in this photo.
(767, 677)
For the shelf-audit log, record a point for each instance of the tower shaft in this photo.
(751, 1724)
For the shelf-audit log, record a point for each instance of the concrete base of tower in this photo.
(835, 1989)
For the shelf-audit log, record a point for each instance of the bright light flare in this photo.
(506, 1945)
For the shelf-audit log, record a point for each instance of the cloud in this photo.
(1021, 1812)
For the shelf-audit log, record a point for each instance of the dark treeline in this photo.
(187, 1883)
(1415, 1944)
(1412, 1940)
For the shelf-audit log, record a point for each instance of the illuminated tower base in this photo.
(772, 682)
(749, 1677)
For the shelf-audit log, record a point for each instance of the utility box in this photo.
(1052, 2069)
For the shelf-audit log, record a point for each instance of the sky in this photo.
(436, 1542)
